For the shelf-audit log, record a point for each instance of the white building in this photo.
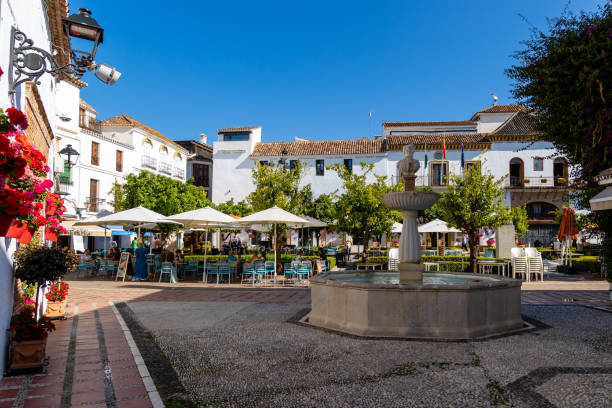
(40, 22)
(501, 139)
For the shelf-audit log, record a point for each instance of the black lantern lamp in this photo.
(68, 153)
(83, 26)
(283, 161)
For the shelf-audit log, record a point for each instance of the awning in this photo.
(88, 230)
(602, 201)
(118, 230)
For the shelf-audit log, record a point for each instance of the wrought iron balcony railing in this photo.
(94, 204)
(179, 173)
(534, 182)
(165, 168)
(62, 183)
(148, 162)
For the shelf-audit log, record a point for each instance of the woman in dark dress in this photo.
(140, 271)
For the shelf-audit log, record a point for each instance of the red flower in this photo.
(17, 118)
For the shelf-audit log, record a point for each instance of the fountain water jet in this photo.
(414, 303)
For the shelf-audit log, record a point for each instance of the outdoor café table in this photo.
(368, 266)
(487, 267)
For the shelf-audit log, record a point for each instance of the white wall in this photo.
(29, 16)
(488, 122)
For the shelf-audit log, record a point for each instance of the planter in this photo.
(56, 309)
(16, 229)
(51, 235)
(5, 224)
(526, 181)
(27, 354)
(27, 235)
(50, 209)
(544, 180)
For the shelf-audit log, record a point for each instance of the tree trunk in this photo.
(278, 245)
(473, 244)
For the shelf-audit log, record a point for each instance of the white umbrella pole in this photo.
(274, 240)
(205, 248)
(105, 241)
(139, 232)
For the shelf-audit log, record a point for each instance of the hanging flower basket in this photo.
(16, 229)
(51, 235)
(5, 224)
(50, 209)
(544, 180)
(27, 235)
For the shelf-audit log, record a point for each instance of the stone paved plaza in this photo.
(241, 346)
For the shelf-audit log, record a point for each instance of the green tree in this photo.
(519, 220)
(322, 208)
(279, 186)
(359, 210)
(239, 209)
(473, 202)
(158, 193)
(566, 76)
(432, 213)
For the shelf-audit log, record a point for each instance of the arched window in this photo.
(177, 159)
(516, 172)
(163, 153)
(541, 211)
(147, 145)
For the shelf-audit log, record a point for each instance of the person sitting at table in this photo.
(179, 260)
(86, 257)
(255, 257)
(140, 270)
(364, 256)
(231, 257)
(299, 255)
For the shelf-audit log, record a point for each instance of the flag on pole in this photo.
(444, 147)
(425, 157)
(462, 157)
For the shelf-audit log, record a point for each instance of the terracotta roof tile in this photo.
(125, 120)
(87, 106)
(237, 129)
(323, 147)
(436, 139)
(440, 123)
(521, 123)
(501, 109)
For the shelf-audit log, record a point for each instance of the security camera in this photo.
(105, 73)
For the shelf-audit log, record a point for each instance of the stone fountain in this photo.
(412, 303)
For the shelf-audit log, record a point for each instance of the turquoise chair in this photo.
(191, 268)
(166, 268)
(86, 268)
(107, 266)
(248, 272)
(211, 269)
(289, 272)
(224, 269)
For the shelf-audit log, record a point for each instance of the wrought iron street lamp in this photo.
(70, 155)
(29, 63)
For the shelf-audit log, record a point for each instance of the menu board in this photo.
(123, 265)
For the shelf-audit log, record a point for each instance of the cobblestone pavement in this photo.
(90, 344)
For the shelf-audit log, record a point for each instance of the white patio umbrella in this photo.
(204, 218)
(274, 216)
(134, 216)
(437, 226)
(89, 221)
(397, 228)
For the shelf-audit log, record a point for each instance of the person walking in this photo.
(134, 243)
(140, 271)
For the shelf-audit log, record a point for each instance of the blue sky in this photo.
(312, 69)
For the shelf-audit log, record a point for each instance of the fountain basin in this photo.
(409, 200)
(450, 306)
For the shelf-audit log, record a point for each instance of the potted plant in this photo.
(490, 242)
(54, 229)
(57, 297)
(544, 180)
(562, 180)
(29, 336)
(526, 181)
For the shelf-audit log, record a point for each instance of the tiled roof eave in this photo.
(108, 139)
(156, 137)
(449, 146)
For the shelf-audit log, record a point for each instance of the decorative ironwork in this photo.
(93, 204)
(165, 168)
(179, 173)
(29, 63)
(148, 162)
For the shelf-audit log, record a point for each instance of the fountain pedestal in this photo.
(410, 268)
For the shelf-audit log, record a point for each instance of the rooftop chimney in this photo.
(203, 138)
(494, 99)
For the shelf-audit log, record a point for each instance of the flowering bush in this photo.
(25, 327)
(58, 292)
(23, 172)
(53, 223)
(490, 242)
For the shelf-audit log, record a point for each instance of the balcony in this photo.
(62, 183)
(94, 204)
(179, 173)
(92, 126)
(148, 162)
(534, 182)
(165, 168)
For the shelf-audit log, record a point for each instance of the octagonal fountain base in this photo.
(450, 306)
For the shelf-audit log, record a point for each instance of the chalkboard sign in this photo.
(123, 265)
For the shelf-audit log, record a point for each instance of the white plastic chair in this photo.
(520, 263)
(536, 266)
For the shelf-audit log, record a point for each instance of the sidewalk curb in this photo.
(142, 368)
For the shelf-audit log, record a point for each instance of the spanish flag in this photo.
(444, 147)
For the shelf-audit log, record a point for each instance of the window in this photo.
(93, 195)
(95, 153)
(320, 167)
(439, 173)
(348, 163)
(472, 163)
(516, 172)
(119, 161)
(200, 174)
(236, 137)
(538, 164)
(82, 118)
(292, 164)
(541, 211)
